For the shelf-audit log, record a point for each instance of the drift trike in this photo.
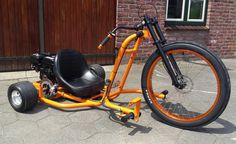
(184, 84)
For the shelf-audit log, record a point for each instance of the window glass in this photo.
(196, 9)
(186, 12)
(175, 9)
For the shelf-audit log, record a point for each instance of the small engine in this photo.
(43, 63)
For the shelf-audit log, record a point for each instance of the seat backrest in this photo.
(70, 64)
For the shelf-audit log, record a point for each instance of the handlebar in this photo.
(150, 23)
(105, 40)
(113, 34)
(136, 27)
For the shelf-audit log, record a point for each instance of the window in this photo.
(186, 12)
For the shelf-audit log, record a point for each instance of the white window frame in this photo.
(175, 19)
(203, 13)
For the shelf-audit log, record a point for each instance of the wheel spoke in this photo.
(203, 91)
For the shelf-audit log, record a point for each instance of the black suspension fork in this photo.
(174, 64)
(150, 23)
(163, 41)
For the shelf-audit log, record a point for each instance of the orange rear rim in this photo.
(170, 114)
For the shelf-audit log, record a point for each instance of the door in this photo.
(19, 36)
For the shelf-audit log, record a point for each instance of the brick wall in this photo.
(222, 27)
(219, 34)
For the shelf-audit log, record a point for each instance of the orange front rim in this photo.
(168, 113)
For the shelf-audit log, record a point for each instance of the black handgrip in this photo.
(127, 117)
(139, 26)
(106, 39)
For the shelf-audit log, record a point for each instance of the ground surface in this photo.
(47, 125)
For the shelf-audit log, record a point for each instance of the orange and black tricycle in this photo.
(184, 84)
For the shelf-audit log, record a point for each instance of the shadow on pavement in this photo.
(39, 107)
(227, 128)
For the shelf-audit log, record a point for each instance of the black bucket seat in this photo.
(74, 74)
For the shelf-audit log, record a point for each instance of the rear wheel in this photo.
(98, 70)
(22, 96)
(206, 92)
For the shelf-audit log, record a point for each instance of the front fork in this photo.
(169, 61)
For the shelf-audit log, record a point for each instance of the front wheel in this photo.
(206, 91)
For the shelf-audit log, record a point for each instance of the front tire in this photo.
(199, 103)
(22, 96)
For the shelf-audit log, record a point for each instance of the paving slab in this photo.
(11, 140)
(1, 131)
(38, 113)
(76, 132)
(53, 123)
(186, 137)
(3, 99)
(6, 108)
(40, 136)
(7, 118)
(85, 116)
(19, 129)
(104, 138)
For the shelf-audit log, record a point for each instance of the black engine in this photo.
(43, 63)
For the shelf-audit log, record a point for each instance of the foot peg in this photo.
(165, 92)
(125, 118)
(137, 103)
(162, 95)
(127, 113)
(136, 112)
(129, 116)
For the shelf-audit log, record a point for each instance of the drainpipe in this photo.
(41, 25)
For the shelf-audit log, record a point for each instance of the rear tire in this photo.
(22, 96)
(98, 70)
(170, 112)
